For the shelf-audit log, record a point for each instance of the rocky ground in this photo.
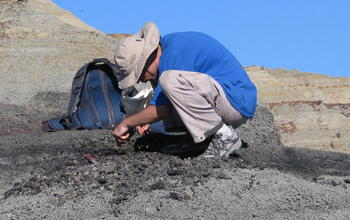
(45, 175)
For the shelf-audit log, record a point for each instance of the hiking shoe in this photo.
(185, 147)
(222, 145)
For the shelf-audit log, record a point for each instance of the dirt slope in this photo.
(45, 176)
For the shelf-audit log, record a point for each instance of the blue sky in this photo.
(306, 35)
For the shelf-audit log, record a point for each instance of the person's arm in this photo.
(149, 115)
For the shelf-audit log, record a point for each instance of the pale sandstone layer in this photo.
(310, 110)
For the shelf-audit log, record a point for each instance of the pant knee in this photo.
(165, 82)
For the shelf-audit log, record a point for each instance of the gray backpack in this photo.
(95, 100)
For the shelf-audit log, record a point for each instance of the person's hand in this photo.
(121, 134)
(143, 129)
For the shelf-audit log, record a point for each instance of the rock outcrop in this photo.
(41, 30)
(311, 110)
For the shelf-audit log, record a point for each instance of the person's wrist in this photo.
(125, 124)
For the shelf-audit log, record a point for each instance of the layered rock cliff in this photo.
(39, 29)
(310, 110)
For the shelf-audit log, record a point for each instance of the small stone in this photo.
(319, 102)
(102, 180)
(158, 185)
(176, 196)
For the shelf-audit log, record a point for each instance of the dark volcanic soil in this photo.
(45, 176)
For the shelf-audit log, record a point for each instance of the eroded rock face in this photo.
(311, 110)
(41, 48)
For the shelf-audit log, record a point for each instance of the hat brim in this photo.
(149, 33)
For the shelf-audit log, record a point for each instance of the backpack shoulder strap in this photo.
(118, 75)
(77, 86)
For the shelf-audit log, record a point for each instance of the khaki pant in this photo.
(200, 102)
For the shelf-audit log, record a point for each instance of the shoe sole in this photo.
(180, 151)
(234, 148)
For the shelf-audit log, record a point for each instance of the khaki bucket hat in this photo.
(132, 53)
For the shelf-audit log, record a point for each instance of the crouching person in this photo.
(194, 76)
